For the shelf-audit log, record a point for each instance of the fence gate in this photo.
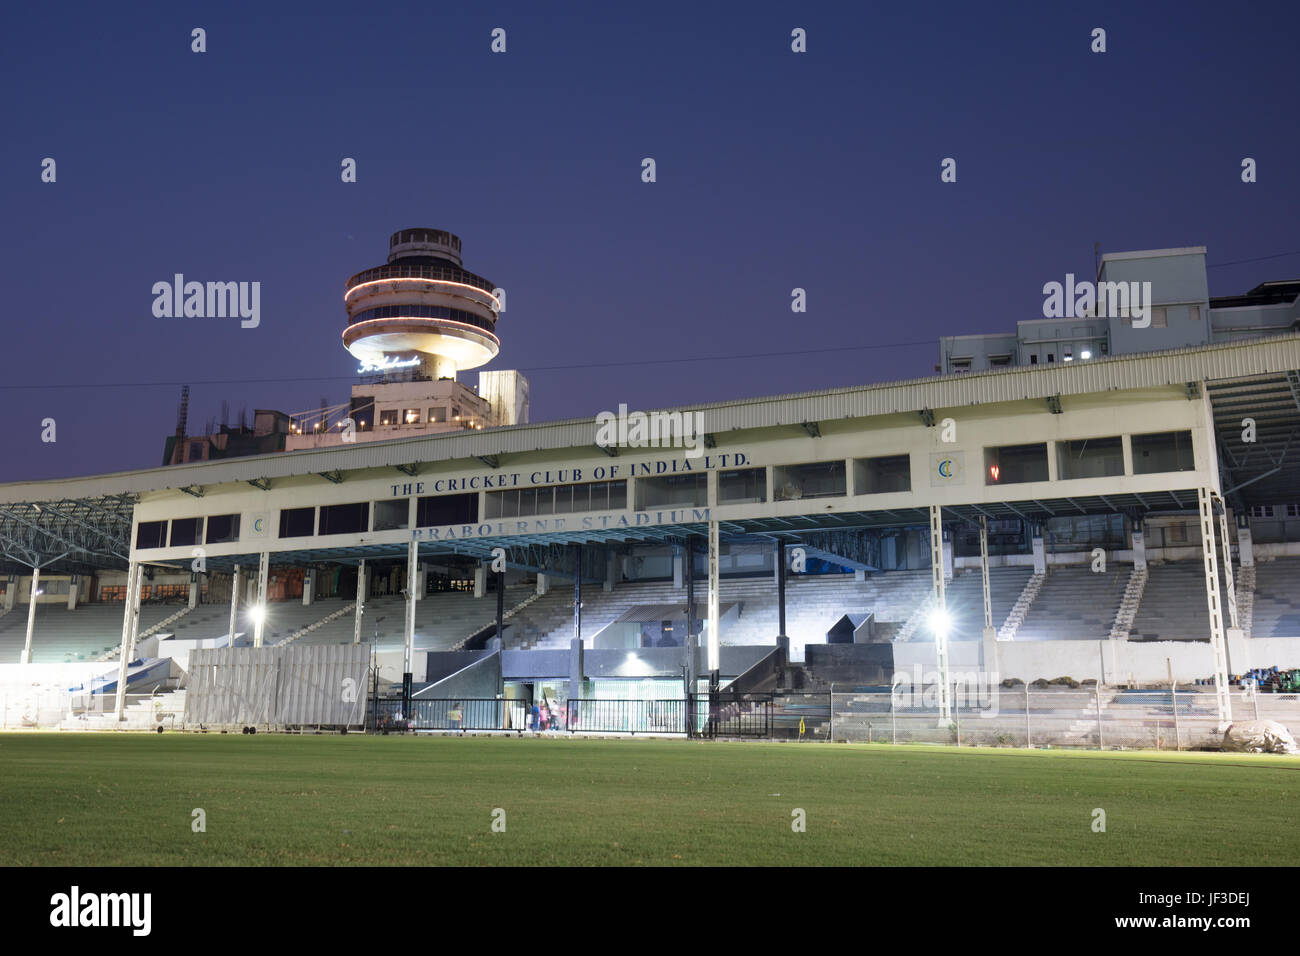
(731, 715)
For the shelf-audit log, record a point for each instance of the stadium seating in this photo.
(1173, 605)
(1277, 603)
(964, 596)
(1075, 603)
(813, 604)
(81, 635)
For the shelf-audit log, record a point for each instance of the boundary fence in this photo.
(1086, 717)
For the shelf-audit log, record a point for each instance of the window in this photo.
(1033, 358)
(668, 491)
(388, 417)
(411, 416)
(821, 479)
(557, 499)
(222, 528)
(1014, 464)
(1162, 451)
(297, 522)
(1159, 318)
(150, 534)
(1194, 313)
(1051, 356)
(345, 519)
(439, 510)
(961, 365)
(878, 476)
(742, 486)
(196, 451)
(438, 414)
(392, 515)
(186, 531)
(999, 361)
(1090, 458)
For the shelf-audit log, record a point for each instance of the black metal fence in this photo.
(731, 715)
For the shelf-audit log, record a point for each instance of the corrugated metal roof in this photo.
(1175, 366)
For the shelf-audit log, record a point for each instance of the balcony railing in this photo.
(438, 273)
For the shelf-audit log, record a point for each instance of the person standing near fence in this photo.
(456, 717)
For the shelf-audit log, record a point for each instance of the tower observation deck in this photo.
(422, 313)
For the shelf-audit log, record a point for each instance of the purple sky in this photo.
(775, 170)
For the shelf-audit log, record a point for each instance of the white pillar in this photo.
(31, 614)
(130, 616)
(989, 637)
(1228, 581)
(194, 594)
(480, 581)
(941, 611)
(412, 559)
(1245, 546)
(74, 585)
(1139, 549)
(361, 602)
(859, 576)
(308, 588)
(259, 622)
(611, 570)
(677, 569)
(234, 604)
(1217, 638)
(1040, 555)
(715, 618)
(947, 560)
(543, 583)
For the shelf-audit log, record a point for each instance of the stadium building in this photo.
(1130, 516)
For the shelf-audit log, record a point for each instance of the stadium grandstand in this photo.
(1127, 516)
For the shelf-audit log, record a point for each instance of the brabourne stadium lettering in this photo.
(566, 476)
(494, 529)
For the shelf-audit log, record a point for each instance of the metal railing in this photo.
(437, 273)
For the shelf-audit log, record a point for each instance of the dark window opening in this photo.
(446, 509)
(297, 522)
(345, 519)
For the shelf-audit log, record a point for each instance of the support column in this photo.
(1040, 553)
(715, 617)
(779, 550)
(361, 602)
(130, 605)
(1245, 543)
(678, 568)
(193, 595)
(577, 593)
(480, 581)
(940, 619)
(74, 585)
(11, 592)
(259, 611)
(32, 594)
(1228, 582)
(989, 638)
(692, 682)
(1217, 637)
(543, 583)
(611, 570)
(501, 606)
(1139, 548)
(234, 604)
(308, 588)
(408, 644)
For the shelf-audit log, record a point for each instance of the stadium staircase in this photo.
(1016, 616)
(1129, 603)
(1074, 603)
(1245, 578)
(507, 615)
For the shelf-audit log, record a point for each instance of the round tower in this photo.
(421, 313)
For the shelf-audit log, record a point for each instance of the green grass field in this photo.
(85, 799)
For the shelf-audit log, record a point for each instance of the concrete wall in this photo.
(479, 680)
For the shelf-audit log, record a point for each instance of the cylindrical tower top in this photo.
(422, 313)
(424, 244)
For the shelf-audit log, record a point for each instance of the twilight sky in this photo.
(775, 170)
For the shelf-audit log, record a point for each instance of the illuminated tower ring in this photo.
(422, 309)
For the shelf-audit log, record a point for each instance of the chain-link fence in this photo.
(1093, 717)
